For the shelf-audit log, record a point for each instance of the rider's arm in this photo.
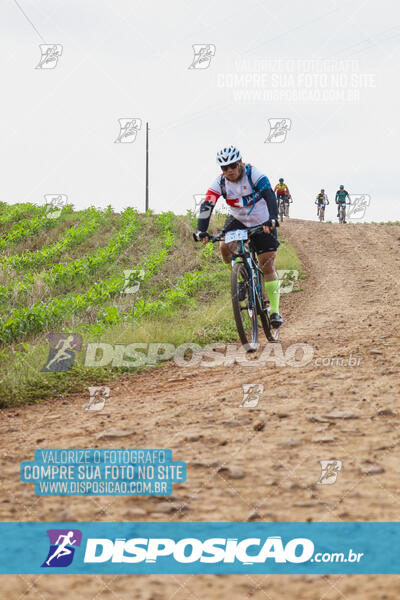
(263, 187)
(206, 208)
(270, 199)
(336, 198)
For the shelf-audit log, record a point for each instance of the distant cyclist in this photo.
(282, 191)
(251, 202)
(340, 199)
(321, 201)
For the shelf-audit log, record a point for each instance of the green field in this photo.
(65, 275)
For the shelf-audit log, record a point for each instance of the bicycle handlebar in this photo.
(211, 238)
(219, 236)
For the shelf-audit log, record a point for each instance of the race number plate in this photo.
(235, 236)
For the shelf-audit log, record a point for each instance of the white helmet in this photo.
(228, 155)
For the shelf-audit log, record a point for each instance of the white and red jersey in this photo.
(240, 197)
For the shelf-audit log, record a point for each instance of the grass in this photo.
(202, 316)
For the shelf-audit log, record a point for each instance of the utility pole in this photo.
(147, 166)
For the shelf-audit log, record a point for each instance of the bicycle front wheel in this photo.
(245, 313)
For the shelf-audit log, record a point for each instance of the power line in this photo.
(29, 21)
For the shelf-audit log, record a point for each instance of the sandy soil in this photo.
(349, 305)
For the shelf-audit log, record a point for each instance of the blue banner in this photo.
(162, 548)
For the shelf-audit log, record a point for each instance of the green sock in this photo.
(273, 293)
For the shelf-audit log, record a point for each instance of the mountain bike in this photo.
(281, 208)
(321, 212)
(250, 305)
(287, 202)
(342, 213)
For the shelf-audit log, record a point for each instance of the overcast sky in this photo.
(330, 69)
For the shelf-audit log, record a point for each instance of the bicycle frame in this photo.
(249, 256)
(342, 210)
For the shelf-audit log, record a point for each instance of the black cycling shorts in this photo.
(263, 242)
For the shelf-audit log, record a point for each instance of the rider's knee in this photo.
(269, 273)
(226, 254)
(226, 259)
(267, 265)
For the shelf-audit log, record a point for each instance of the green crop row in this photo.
(41, 316)
(180, 293)
(67, 273)
(176, 295)
(92, 219)
(16, 212)
(29, 227)
(149, 268)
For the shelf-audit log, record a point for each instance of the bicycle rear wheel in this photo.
(244, 312)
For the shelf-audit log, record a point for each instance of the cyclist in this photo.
(251, 202)
(282, 192)
(340, 200)
(321, 200)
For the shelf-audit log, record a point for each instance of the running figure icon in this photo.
(63, 347)
(62, 354)
(63, 544)
(62, 549)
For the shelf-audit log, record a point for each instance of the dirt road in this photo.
(258, 464)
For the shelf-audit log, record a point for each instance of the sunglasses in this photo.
(231, 166)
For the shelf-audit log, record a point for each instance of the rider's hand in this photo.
(271, 224)
(203, 236)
